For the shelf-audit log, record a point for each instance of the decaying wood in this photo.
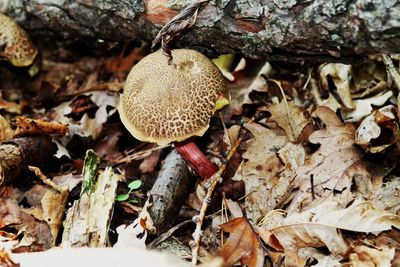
(18, 153)
(275, 29)
(87, 222)
(169, 191)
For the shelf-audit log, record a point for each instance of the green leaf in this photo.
(135, 184)
(122, 197)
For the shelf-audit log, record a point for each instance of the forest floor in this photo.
(314, 180)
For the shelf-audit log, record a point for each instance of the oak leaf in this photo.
(318, 227)
(340, 74)
(371, 256)
(291, 118)
(331, 166)
(260, 171)
(243, 244)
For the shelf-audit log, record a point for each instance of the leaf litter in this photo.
(317, 169)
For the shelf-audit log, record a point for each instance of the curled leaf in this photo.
(242, 245)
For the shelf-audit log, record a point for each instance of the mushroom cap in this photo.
(18, 48)
(164, 103)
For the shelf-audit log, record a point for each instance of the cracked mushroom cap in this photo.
(15, 44)
(164, 103)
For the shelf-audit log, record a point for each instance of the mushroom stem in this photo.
(193, 156)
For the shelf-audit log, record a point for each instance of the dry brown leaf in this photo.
(242, 245)
(388, 197)
(47, 205)
(341, 77)
(93, 127)
(291, 118)
(123, 61)
(260, 171)
(366, 256)
(379, 130)
(369, 78)
(240, 90)
(5, 130)
(322, 259)
(317, 227)
(330, 167)
(35, 233)
(108, 149)
(12, 107)
(27, 126)
(5, 259)
(149, 164)
(363, 107)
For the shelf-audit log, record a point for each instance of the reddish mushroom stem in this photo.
(196, 159)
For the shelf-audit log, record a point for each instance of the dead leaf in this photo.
(291, 118)
(242, 87)
(322, 259)
(135, 234)
(242, 245)
(369, 78)
(388, 197)
(341, 77)
(149, 163)
(5, 259)
(317, 227)
(260, 171)
(330, 166)
(107, 103)
(12, 107)
(379, 130)
(26, 126)
(366, 256)
(36, 234)
(108, 149)
(363, 107)
(5, 130)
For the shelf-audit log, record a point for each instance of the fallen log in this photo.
(319, 29)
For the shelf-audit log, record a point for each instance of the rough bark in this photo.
(169, 191)
(277, 28)
(18, 153)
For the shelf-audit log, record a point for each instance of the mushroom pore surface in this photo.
(163, 103)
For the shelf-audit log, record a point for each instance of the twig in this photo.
(136, 155)
(312, 186)
(46, 180)
(207, 199)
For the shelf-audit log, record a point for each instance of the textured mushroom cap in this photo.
(17, 47)
(163, 103)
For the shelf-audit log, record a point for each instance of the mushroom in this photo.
(15, 44)
(169, 103)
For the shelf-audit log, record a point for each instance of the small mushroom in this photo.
(164, 103)
(15, 45)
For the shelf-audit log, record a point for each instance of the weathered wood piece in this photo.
(88, 220)
(273, 29)
(16, 154)
(169, 191)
